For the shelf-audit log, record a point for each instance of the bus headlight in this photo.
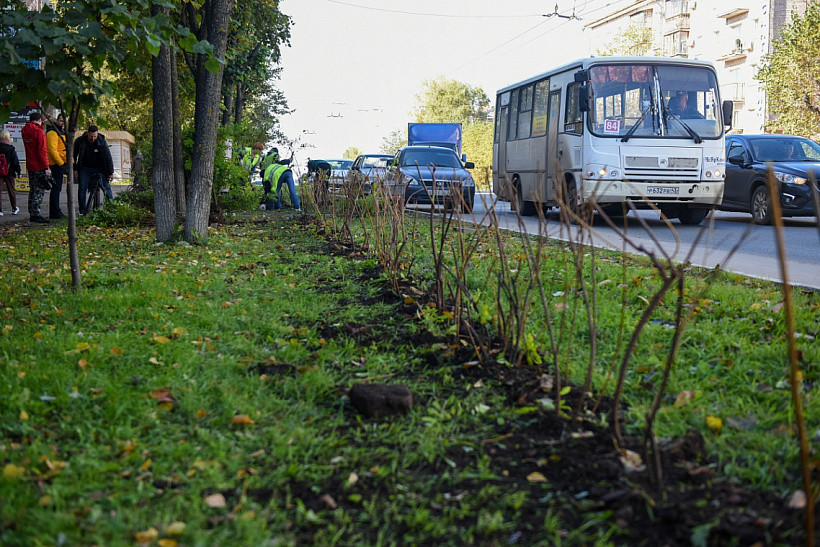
(598, 171)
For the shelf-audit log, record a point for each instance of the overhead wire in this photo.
(452, 16)
(552, 29)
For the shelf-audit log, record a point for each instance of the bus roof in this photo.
(592, 61)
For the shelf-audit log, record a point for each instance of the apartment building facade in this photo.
(734, 35)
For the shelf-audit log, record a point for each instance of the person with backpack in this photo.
(9, 170)
(55, 141)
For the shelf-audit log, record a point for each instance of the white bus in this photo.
(649, 129)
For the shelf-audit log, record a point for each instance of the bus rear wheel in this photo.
(526, 208)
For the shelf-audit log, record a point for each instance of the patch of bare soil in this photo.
(577, 463)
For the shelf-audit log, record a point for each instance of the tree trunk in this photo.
(239, 105)
(179, 166)
(216, 16)
(74, 257)
(163, 143)
(227, 106)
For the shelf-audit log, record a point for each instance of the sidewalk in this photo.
(22, 202)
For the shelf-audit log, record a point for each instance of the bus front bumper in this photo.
(706, 193)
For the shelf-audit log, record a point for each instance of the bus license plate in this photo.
(662, 190)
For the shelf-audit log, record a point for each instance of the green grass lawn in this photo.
(198, 394)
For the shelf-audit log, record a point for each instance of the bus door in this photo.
(553, 165)
(501, 133)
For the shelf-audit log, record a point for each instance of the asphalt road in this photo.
(756, 255)
(22, 202)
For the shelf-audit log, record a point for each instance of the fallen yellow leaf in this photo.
(200, 413)
(175, 529)
(714, 423)
(146, 536)
(23, 415)
(241, 419)
(146, 464)
(166, 542)
(11, 471)
(161, 339)
(44, 501)
(535, 476)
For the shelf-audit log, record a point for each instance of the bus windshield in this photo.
(654, 100)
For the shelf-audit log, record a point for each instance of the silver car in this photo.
(367, 170)
(338, 173)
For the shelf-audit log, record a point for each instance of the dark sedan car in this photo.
(432, 175)
(794, 161)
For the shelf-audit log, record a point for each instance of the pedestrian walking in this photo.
(9, 170)
(34, 141)
(55, 141)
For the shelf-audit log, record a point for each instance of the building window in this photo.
(676, 43)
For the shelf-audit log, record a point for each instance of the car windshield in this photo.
(648, 100)
(785, 149)
(425, 158)
(375, 161)
(340, 164)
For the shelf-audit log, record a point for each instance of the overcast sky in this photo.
(354, 67)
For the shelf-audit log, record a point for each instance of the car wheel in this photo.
(761, 206)
(691, 217)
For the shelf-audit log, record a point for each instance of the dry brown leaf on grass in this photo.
(632, 461)
(686, 397)
(162, 395)
(215, 501)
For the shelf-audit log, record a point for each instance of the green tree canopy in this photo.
(791, 76)
(395, 140)
(447, 101)
(633, 40)
(351, 153)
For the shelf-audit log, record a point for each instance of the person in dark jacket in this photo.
(13, 162)
(92, 157)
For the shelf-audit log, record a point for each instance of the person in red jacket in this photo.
(34, 141)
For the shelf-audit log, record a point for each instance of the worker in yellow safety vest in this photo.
(277, 174)
(250, 157)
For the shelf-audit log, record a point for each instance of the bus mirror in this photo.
(728, 110)
(581, 76)
(583, 98)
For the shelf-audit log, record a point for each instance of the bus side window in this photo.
(573, 117)
(539, 108)
(513, 128)
(525, 113)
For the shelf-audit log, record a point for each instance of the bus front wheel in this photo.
(690, 216)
